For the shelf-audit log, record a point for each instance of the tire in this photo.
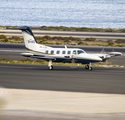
(86, 66)
(90, 68)
(51, 67)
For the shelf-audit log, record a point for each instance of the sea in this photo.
(69, 13)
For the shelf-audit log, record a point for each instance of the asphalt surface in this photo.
(94, 49)
(77, 79)
(63, 78)
(69, 34)
(98, 35)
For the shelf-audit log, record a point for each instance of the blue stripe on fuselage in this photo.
(83, 61)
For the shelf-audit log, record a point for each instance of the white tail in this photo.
(29, 39)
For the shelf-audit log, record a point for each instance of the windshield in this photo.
(80, 51)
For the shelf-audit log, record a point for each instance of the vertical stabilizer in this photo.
(29, 39)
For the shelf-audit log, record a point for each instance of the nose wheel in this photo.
(88, 67)
(50, 65)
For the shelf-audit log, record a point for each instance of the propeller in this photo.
(106, 59)
(103, 51)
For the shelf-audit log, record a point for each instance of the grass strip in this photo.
(42, 62)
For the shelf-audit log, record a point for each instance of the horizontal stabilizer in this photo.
(26, 54)
(44, 58)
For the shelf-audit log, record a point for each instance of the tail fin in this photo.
(29, 39)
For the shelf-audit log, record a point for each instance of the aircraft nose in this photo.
(91, 58)
(97, 58)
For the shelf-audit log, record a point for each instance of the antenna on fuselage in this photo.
(103, 51)
(65, 47)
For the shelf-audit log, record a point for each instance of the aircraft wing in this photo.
(115, 54)
(37, 56)
(109, 55)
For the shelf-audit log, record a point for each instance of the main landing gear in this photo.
(50, 65)
(88, 67)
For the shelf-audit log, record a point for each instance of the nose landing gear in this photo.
(88, 67)
(50, 65)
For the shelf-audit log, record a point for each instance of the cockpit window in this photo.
(80, 51)
(74, 51)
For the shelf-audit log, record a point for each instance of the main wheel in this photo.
(90, 68)
(51, 67)
(86, 66)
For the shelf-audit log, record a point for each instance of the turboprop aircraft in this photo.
(50, 54)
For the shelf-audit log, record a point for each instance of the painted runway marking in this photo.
(3, 92)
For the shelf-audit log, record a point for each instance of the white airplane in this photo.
(50, 54)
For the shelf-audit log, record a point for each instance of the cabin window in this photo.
(63, 52)
(80, 51)
(69, 52)
(74, 51)
(58, 52)
(47, 52)
(52, 51)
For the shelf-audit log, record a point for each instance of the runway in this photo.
(82, 35)
(63, 93)
(63, 78)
